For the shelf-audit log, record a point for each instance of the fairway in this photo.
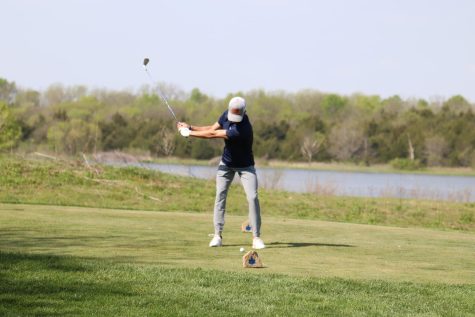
(295, 247)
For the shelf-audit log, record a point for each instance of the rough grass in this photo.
(71, 183)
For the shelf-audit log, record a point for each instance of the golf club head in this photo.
(146, 60)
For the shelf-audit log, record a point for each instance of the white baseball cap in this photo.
(236, 109)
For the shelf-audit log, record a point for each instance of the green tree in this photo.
(333, 104)
(115, 134)
(202, 150)
(270, 138)
(28, 98)
(366, 103)
(197, 96)
(10, 131)
(457, 104)
(56, 136)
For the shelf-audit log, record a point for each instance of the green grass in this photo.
(131, 242)
(309, 247)
(70, 183)
(41, 285)
(89, 261)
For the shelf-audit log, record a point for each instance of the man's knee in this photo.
(252, 197)
(222, 194)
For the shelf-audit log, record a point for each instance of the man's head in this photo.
(236, 109)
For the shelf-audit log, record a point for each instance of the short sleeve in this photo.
(222, 119)
(233, 132)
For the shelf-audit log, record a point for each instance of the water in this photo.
(418, 186)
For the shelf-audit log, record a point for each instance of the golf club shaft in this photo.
(164, 98)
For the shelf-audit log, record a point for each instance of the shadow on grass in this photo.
(275, 245)
(20, 238)
(306, 244)
(44, 284)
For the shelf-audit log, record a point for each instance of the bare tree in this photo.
(411, 148)
(311, 145)
(345, 140)
(167, 142)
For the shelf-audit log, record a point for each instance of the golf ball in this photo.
(241, 250)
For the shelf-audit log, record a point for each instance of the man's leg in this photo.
(224, 178)
(249, 182)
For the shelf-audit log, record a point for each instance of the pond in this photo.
(417, 186)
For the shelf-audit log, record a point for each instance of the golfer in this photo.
(235, 128)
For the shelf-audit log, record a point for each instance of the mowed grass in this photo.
(104, 241)
(86, 261)
(295, 247)
(34, 285)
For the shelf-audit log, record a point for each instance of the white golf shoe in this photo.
(217, 241)
(257, 243)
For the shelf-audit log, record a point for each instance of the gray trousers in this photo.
(224, 178)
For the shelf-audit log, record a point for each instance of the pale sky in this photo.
(417, 48)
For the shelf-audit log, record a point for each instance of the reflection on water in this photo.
(434, 187)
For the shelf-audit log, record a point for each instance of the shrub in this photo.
(406, 164)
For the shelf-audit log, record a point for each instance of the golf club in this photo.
(164, 98)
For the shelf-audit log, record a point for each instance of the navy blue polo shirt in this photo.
(238, 146)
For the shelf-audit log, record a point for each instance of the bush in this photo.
(406, 164)
(202, 150)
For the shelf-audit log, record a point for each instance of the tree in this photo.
(311, 145)
(197, 96)
(333, 103)
(28, 98)
(164, 142)
(368, 104)
(80, 137)
(410, 148)
(270, 138)
(345, 140)
(202, 150)
(436, 150)
(457, 105)
(7, 91)
(393, 105)
(54, 95)
(115, 134)
(10, 131)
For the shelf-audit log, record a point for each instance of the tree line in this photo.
(304, 126)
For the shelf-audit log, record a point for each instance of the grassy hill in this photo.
(70, 183)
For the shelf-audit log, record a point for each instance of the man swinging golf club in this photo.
(235, 128)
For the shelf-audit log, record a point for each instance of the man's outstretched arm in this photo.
(204, 132)
(209, 134)
(215, 126)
